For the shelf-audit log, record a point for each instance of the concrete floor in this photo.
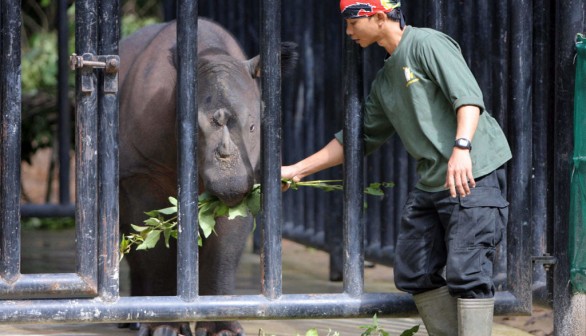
(298, 277)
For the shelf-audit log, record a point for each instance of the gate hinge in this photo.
(88, 62)
(546, 260)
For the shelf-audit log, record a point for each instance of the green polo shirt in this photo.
(416, 95)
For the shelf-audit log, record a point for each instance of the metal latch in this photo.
(546, 260)
(88, 62)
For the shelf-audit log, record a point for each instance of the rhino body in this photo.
(229, 118)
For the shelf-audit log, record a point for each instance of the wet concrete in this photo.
(305, 270)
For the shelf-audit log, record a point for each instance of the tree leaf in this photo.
(311, 332)
(150, 241)
(239, 210)
(152, 222)
(206, 219)
(167, 234)
(173, 200)
(139, 228)
(168, 211)
(410, 332)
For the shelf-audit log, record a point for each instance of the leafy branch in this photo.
(164, 221)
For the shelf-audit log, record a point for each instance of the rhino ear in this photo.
(253, 66)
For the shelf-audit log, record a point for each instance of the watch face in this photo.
(463, 143)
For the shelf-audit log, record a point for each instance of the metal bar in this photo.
(47, 210)
(270, 55)
(86, 140)
(187, 256)
(10, 98)
(249, 307)
(543, 103)
(519, 233)
(353, 171)
(108, 162)
(567, 305)
(64, 124)
(47, 286)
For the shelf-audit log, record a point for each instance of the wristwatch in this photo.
(463, 143)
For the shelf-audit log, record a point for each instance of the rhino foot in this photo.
(173, 329)
(219, 329)
(131, 326)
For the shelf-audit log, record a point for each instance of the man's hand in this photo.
(459, 178)
(289, 172)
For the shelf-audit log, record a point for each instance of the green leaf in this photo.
(239, 210)
(139, 228)
(168, 211)
(173, 200)
(374, 191)
(253, 202)
(152, 213)
(152, 222)
(311, 332)
(150, 241)
(167, 233)
(410, 332)
(206, 220)
(221, 209)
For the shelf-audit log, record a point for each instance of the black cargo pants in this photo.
(451, 241)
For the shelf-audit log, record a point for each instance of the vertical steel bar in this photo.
(543, 103)
(271, 148)
(353, 172)
(108, 276)
(519, 234)
(86, 141)
(187, 256)
(567, 305)
(64, 125)
(10, 99)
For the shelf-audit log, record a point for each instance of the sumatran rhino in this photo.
(229, 118)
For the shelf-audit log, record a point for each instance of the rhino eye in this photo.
(252, 128)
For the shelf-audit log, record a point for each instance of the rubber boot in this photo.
(475, 317)
(438, 310)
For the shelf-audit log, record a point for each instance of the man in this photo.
(427, 95)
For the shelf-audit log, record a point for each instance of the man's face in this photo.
(363, 31)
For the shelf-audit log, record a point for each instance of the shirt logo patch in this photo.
(409, 76)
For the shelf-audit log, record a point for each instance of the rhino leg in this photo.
(219, 259)
(158, 329)
(232, 328)
(152, 272)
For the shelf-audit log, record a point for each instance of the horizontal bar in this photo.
(46, 286)
(248, 307)
(47, 210)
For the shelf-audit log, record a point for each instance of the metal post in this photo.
(86, 141)
(108, 263)
(568, 306)
(519, 233)
(543, 103)
(353, 172)
(187, 256)
(271, 148)
(64, 132)
(10, 99)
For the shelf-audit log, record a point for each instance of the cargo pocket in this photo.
(482, 218)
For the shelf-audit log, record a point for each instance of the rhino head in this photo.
(229, 119)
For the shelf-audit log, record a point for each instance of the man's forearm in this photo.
(467, 117)
(329, 156)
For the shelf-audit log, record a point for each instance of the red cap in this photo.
(353, 9)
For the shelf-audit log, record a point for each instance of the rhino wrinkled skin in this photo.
(229, 118)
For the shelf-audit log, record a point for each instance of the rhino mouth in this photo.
(230, 190)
